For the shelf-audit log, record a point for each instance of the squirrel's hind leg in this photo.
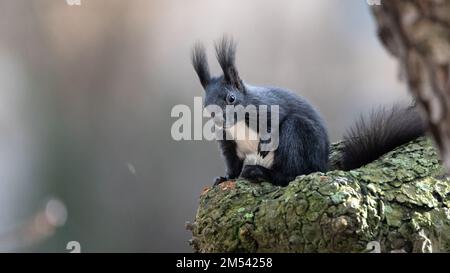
(256, 173)
(303, 149)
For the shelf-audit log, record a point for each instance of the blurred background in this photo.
(86, 93)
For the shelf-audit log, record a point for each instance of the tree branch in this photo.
(400, 202)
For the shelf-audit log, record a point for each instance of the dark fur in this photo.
(226, 52)
(384, 130)
(303, 139)
(303, 144)
(200, 63)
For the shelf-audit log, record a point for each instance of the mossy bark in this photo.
(398, 203)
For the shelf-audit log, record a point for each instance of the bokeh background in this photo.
(86, 93)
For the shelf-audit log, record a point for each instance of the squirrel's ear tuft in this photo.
(226, 52)
(200, 63)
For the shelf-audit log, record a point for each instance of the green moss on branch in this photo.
(399, 202)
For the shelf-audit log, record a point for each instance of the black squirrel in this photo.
(303, 145)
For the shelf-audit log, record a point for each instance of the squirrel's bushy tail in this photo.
(383, 131)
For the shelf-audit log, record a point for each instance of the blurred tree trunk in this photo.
(417, 33)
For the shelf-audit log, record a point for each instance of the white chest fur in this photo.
(247, 142)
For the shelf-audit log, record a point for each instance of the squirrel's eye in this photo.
(231, 98)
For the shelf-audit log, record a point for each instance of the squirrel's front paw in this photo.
(220, 179)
